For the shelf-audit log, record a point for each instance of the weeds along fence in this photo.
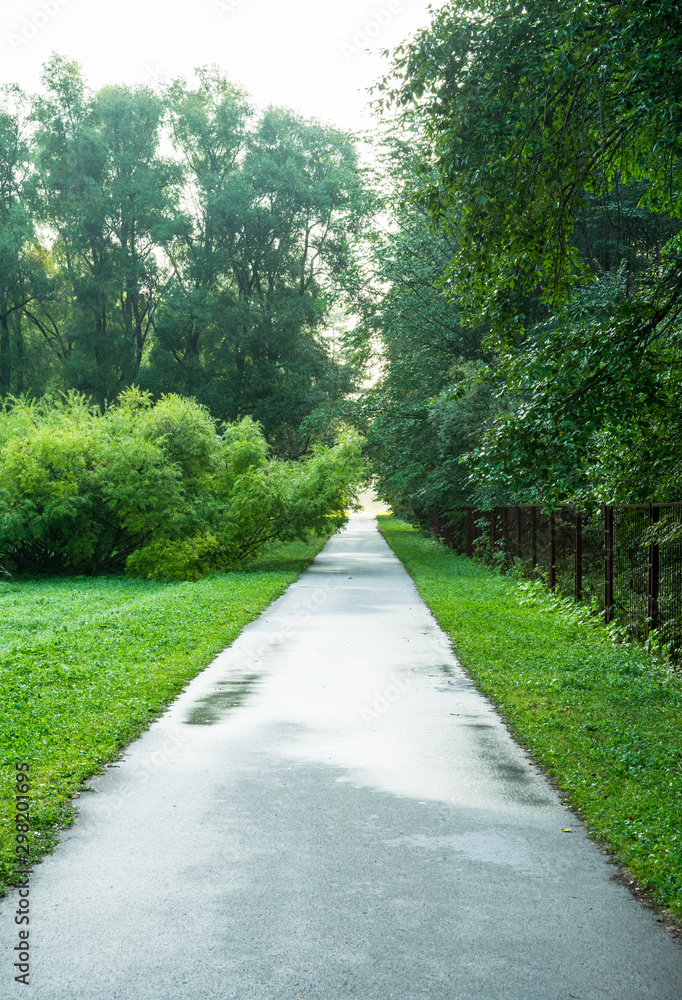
(625, 560)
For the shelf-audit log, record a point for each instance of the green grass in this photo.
(604, 720)
(87, 663)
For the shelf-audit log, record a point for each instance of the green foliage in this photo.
(603, 720)
(23, 267)
(109, 200)
(585, 409)
(259, 263)
(155, 488)
(529, 110)
(210, 272)
(552, 158)
(85, 664)
(416, 428)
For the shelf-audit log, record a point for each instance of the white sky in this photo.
(304, 54)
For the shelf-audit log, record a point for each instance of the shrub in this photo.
(156, 489)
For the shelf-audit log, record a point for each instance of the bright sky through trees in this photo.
(305, 54)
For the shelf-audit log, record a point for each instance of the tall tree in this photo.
(109, 197)
(22, 275)
(530, 110)
(554, 156)
(275, 202)
(213, 271)
(416, 427)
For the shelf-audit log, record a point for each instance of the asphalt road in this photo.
(331, 811)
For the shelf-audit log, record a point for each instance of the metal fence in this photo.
(626, 560)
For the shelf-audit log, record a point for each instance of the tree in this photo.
(22, 260)
(416, 427)
(586, 413)
(529, 109)
(212, 272)
(276, 201)
(109, 198)
(553, 137)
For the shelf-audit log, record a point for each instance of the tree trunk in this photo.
(5, 356)
(19, 334)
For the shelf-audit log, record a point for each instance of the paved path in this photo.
(329, 812)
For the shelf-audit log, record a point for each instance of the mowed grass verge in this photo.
(604, 720)
(87, 663)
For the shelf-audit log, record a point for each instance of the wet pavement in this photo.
(332, 811)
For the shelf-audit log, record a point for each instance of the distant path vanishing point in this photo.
(331, 811)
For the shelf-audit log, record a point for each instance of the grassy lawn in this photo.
(604, 720)
(87, 663)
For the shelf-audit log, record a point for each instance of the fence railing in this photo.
(625, 559)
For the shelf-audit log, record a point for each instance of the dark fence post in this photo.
(552, 551)
(578, 552)
(654, 572)
(470, 531)
(534, 537)
(493, 528)
(518, 532)
(505, 530)
(608, 564)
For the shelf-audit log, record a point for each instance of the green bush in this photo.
(155, 489)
